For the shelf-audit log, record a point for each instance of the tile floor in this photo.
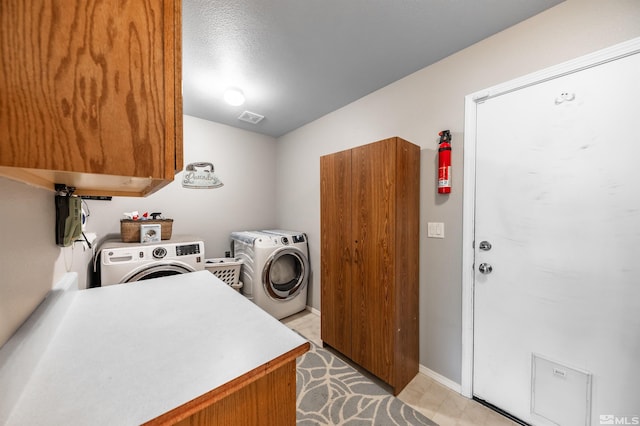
(439, 403)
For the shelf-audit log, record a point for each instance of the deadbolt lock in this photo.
(485, 245)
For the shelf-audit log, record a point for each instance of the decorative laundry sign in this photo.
(200, 176)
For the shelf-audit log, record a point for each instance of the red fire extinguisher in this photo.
(444, 162)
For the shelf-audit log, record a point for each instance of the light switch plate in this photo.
(435, 229)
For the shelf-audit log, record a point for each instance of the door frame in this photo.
(599, 57)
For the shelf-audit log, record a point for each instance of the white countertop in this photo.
(125, 354)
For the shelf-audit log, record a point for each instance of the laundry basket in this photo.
(227, 269)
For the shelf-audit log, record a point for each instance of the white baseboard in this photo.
(313, 310)
(440, 379)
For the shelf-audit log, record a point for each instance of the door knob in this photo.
(485, 245)
(485, 268)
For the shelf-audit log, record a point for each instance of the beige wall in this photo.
(417, 108)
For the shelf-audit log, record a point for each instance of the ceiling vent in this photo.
(251, 117)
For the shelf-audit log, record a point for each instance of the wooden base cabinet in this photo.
(90, 94)
(265, 396)
(369, 257)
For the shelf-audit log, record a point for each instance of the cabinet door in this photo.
(406, 264)
(335, 245)
(373, 230)
(91, 86)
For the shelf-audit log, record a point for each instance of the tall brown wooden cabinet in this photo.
(369, 257)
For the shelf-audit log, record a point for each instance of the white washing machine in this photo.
(275, 269)
(128, 262)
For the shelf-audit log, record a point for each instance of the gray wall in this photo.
(417, 108)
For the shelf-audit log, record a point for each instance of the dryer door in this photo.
(285, 273)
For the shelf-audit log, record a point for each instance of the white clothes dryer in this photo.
(129, 262)
(275, 269)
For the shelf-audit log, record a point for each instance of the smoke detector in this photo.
(251, 117)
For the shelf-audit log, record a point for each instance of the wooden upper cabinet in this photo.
(90, 94)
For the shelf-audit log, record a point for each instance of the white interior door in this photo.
(558, 199)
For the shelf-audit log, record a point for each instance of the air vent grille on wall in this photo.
(251, 117)
(560, 393)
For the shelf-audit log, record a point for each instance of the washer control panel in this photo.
(187, 249)
(190, 252)
(293, 239)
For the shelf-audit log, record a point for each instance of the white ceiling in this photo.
(297, 60)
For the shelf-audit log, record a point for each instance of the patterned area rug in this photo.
(331, 392)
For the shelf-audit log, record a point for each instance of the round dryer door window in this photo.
(285, 273)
